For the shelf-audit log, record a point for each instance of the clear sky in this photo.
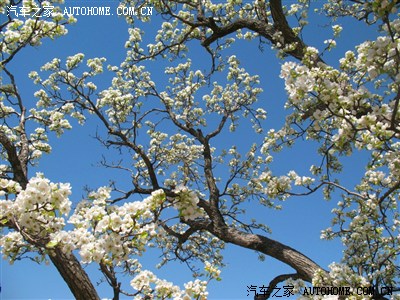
(76, 155)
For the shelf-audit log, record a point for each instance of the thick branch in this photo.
(218, 32)
(261, 27)
(19, 169)
(74, 275)
(281, 24)
(304, 266)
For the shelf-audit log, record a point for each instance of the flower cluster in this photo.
(149, 284)
(186, 203)
(340, 275)
(110, 233)
(280, 186)
(212, 270)
(37, 211)
(8, 186)
(42, 206)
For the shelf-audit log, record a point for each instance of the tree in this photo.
(168, 135)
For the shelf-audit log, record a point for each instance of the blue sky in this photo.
(76, 155)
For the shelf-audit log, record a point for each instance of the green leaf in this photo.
(51, 244)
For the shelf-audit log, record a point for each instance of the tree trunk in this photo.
(74, 275)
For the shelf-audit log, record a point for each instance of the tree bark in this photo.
(74, 275)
